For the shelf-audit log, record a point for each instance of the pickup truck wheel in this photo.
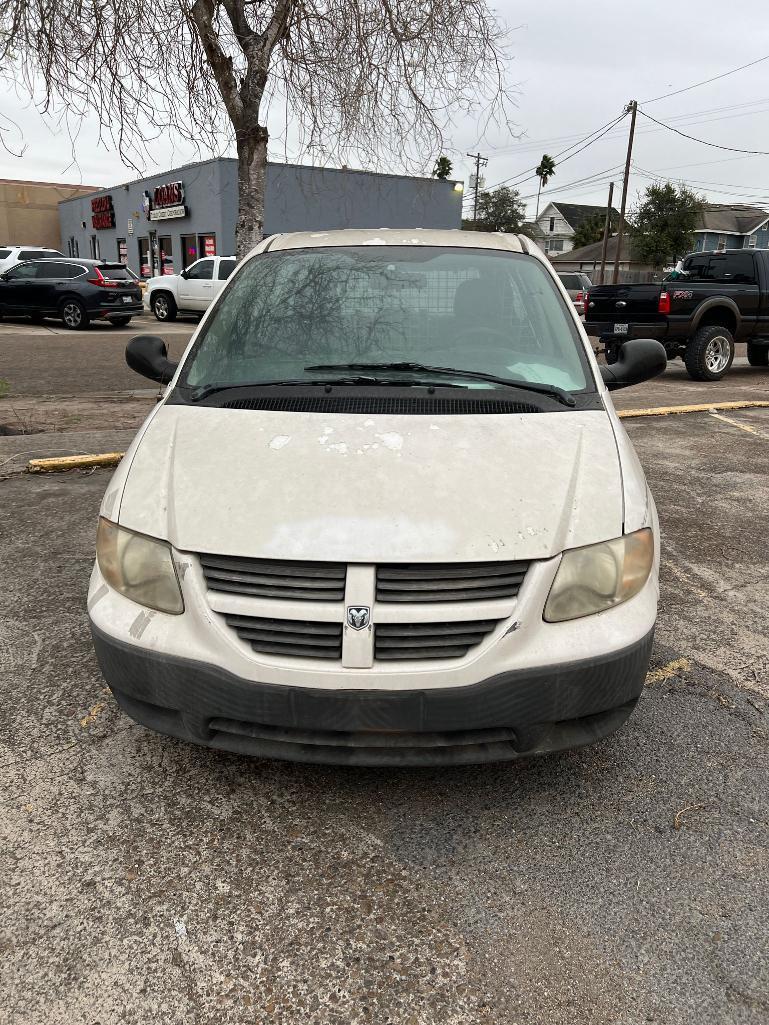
(758, 355)
(709, 354)
(163, 306)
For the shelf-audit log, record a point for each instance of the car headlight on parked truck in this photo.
(600, 576)
(139, 567)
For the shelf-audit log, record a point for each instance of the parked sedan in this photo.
(76, 291)
(577, 285)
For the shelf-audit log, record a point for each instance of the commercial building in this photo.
(29, 211)
(163, 223)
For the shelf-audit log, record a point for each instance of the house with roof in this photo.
(732, 226)
(554, 228)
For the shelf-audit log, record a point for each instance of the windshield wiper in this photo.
(474, 375)
(204, 390)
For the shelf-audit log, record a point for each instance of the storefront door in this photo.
(166, 255)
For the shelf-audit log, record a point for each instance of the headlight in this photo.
(139, 567)
(600, 576)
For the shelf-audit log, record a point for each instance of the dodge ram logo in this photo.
(358, 616)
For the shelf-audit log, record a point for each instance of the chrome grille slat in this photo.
(473, 581)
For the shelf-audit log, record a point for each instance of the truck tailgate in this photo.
(624, 303)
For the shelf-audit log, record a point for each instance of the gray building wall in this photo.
(296, 199)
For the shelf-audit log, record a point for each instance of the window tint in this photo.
(114, 272)
(226, 267)
(697, 267)
(39, 254)
(23, 271)
(4, 254)
(570, 280)
(733, 268)
(58, 270)
(203, 270)
(489, 311)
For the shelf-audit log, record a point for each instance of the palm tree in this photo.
(544, 172)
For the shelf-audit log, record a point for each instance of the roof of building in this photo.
(592, 253)
(577, 213)
(738, 218)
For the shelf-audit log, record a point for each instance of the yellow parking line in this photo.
(703, 407)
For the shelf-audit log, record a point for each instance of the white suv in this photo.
(384, 514)
(11, 255)
(192, 291)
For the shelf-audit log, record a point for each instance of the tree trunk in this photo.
(252, 171)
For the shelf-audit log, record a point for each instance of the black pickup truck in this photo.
(717, 299)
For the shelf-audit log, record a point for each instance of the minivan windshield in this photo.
(301, 314)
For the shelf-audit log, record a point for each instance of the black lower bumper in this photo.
(604, 330)
(525, 712)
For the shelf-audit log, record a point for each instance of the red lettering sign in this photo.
(102, 212)
(171, 194)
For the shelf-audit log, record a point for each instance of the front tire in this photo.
(74, 315)
(121, 321)
(709, 354)
(758, 355)
(164, 306)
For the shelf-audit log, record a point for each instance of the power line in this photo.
(603, 130)
(707, 81)
(704, 142)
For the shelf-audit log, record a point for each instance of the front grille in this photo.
(289, 636)
(469, 581)
(275, 578)
(393, 641)
(370, 404)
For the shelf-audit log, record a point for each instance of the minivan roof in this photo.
(449, 237)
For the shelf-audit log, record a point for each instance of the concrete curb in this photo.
(56, 465)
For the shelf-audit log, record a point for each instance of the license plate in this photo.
(127, 299)
(620, 329)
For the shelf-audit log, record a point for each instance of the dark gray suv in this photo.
(74, 290)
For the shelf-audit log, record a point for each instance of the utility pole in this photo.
(480, 162)
(633, 108)
(606, 230)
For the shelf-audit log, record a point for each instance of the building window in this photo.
(556, 245)
(95, 253)
(122, 251)
(189, 250)
(73, 249)
(752, 241)
(552, 224)
(207, 245)
(721, 243)
(144, 258)
(166, 254)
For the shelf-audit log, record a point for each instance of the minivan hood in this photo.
(358, 488)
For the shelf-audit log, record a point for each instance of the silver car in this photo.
(577, 285)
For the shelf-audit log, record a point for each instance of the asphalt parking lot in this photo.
(145, 880)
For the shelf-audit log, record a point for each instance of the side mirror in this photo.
(183, 274)
(148, 356)
(640, 359)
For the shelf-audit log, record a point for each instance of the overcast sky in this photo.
(576, 66)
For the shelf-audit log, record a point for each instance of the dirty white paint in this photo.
(391, 440)
(280, 441)
(97, 596)
(340, 447)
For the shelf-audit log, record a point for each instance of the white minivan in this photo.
(384, 514)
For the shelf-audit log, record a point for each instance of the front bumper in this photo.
(521, 712)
